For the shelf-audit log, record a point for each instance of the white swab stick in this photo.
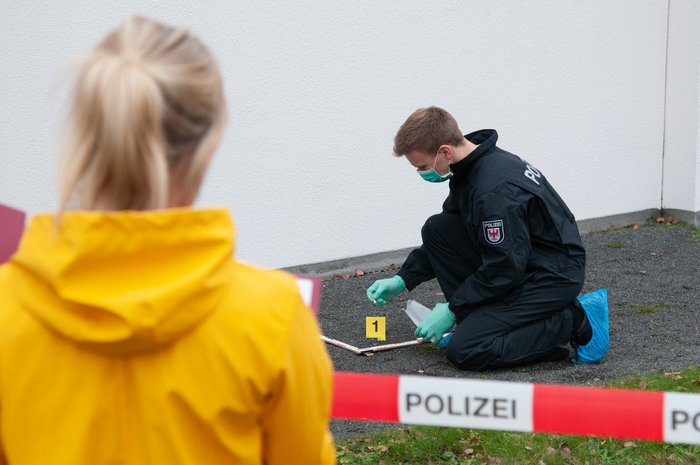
(337, 343)
(414, 342)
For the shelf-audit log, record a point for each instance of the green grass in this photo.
(694, 230)
(645, 308)
(615, 244)
(455, 446)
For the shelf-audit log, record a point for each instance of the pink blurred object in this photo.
(11, 227)
(310, 289)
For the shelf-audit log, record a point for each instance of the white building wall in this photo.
(681, 183)
(697, 162)
(317, 90)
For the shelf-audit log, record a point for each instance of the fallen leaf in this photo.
(668, 220)
(565, 450)
(696, 382)
(392, 266)
(468, 452)
(346, 276)
(528, 448)
(335, 276)
(630, 444)
(359, 272)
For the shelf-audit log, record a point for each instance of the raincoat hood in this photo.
(124, 282)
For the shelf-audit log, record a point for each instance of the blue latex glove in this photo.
(436, 324)
(383, 290)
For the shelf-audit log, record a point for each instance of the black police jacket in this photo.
(520, 225)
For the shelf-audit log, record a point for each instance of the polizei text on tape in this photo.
(465, 403)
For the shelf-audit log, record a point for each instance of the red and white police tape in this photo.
(467, 403)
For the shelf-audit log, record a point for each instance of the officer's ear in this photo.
(447, 151)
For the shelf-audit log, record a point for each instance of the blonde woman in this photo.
(128, 334)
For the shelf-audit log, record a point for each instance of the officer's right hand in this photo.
(383, 290)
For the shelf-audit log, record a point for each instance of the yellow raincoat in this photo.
(135, 338)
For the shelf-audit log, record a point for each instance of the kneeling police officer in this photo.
(506, 251)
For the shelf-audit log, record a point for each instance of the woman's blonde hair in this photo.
(147, 98)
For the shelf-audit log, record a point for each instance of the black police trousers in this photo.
(532, 327)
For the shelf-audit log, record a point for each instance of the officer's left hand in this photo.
(436, 324)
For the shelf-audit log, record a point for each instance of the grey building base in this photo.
(373, 262)
(605, 222)
(382, 261)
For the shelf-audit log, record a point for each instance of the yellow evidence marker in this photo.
(375, 327)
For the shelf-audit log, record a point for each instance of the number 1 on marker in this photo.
(375, 327)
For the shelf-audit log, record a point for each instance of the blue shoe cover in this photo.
(445, 340)
(595, 304)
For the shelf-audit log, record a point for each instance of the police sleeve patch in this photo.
(493, 231)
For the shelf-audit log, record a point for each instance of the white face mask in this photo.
(433, 176)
